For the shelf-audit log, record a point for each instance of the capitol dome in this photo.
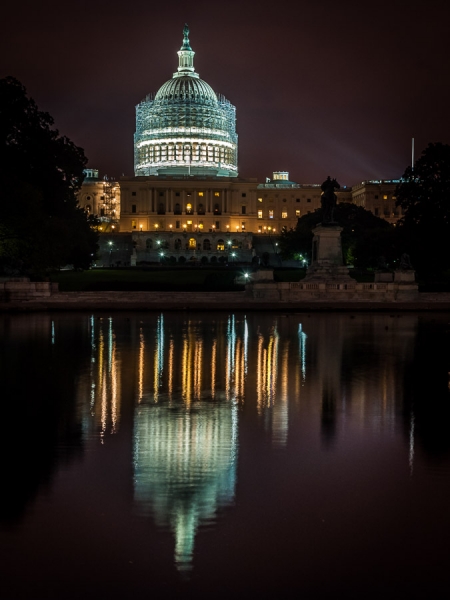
(185, 129)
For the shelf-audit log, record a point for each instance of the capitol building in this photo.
(186, 200)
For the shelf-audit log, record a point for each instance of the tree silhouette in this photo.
(41, 224)
(424, 195)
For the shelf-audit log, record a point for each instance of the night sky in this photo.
(320, 87)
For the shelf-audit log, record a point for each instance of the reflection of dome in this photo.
(185, 466)
(186, 129)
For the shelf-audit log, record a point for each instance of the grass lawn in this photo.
(185, 278)
(157, 279)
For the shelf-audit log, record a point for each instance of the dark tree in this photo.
(366, 239)
(41, 224)
(424, 196)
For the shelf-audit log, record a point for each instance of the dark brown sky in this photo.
(321, 87)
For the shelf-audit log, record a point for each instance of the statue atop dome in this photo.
(186, 45)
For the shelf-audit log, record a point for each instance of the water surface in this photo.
(187, 454)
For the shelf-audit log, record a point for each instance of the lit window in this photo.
(200, 225)
(260, 214)
(133, 224)
(385, 197)
(192, 243)
(284, 214)
(220, 245)
(259, 199)
(297, 213)
(200, 193)
(216, 193)
(270, 214)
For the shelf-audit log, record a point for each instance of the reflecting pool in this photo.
(149, 455)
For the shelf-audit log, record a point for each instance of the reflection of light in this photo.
(280, 411)
(213, 368)
(302, 349)
(141, 364)
(198, 365)
(267, 370)
(170, 367)
(158, 362)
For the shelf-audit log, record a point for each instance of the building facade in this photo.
(186, 198)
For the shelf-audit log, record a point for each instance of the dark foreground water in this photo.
(204, 456)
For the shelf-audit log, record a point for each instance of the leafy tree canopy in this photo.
(424, 195)
(42, 225)
(367, 240)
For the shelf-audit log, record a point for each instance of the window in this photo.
(189, 209)
(201, 194)
(200, 209)
(217, 224)
(87, 208)
(377, 211)
(102, 212)
(284, 214)
(235, 243)
(133, 208)
(297, 213)
(244, 209)
(103, 197)
(88, 197)
(284, 199)
(133, 224)
(177, 193)
(148, 244)
(192, 243)
(161, 209)
(177, 210)
(161, 193)
(177, 244)
(177, 224)
(270, 214)
(206, 245)
(244, 195)
(308, 199)
(259, 199)
(216, 193)
(260, 214)
(220, 245)
(200, 224)
(376, 196)
(385, 197)
(217, 210)
(297, 199)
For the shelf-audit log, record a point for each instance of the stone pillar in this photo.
(327, 262)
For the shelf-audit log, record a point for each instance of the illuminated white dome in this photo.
(186, 89)
(186, 129)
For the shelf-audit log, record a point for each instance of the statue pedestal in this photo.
(327, 263)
